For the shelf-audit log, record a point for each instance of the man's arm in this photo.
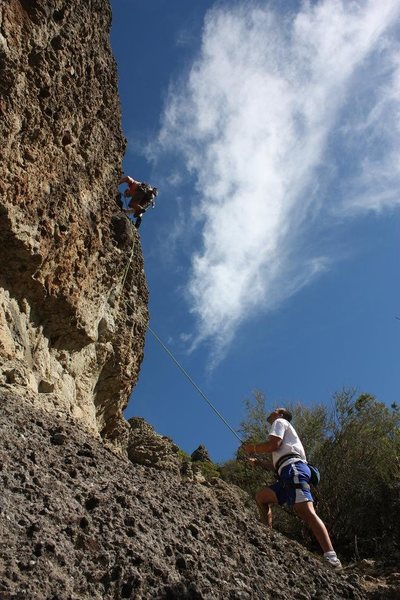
(127, 179)
(271, 445)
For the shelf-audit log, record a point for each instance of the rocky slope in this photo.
(79, 522)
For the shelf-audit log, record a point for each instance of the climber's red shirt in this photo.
(132, 186)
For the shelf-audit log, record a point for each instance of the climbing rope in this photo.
(125, 274)
(194, 384)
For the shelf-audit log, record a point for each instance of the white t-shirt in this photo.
(290, 442)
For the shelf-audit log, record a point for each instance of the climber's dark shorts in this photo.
(294, 473)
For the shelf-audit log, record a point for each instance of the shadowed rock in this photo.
(201, 454)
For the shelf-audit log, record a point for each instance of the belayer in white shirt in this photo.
(294, 475)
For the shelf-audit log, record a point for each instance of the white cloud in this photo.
(253, 119)
(372, 132)
(174, 179)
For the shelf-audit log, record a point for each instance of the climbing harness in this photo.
(315, 477)
(144, 196)
(284, 458)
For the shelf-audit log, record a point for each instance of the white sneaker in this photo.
(333, 562)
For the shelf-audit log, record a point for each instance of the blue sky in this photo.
(272, 255)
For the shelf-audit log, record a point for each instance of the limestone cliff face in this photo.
(71, 329)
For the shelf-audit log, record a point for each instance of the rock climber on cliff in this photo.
(141, 194)
(293, 485)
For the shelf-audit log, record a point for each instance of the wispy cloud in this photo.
(274, 107)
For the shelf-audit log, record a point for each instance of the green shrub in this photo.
(184, 456)
(356, 445)
(207, 468)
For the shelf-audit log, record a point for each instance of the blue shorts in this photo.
(297, 472)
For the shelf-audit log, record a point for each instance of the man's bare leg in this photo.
(306, 512)
(265, 498)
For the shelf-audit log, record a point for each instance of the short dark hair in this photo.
(286, 414)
